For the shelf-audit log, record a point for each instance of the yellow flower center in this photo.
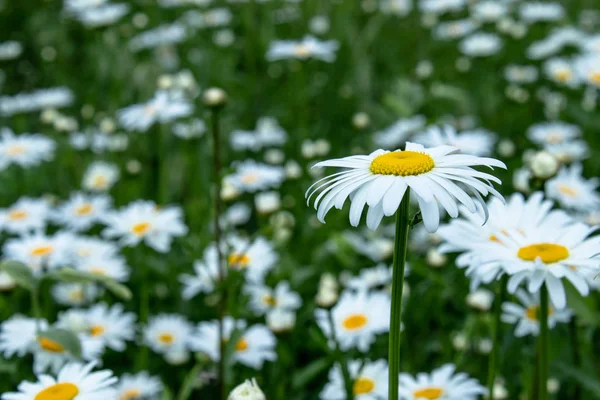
(131, 394)
(238, 260)
(548, 252)
(595, 77)
(269, 300)
(17, 215)
(16, 150)
(567, 191)
(60, 391)
(430, 393)
(249, 178)
(363, 386)
(97, 330)
(77, 295)
(241, 345)
(141, 228)
(563, 75)
(50, 345)
(402, 163)
(98, 271)
(42, 251)
(166, 338)
(355, 321)
(532, 312)
(99, 181)
(302, 50)
(84, 209)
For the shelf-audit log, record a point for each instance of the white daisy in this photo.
(572, 190)
(139, 386)
(39, 251)
(309, 47)
(160, 36)
(25, 216)
(561, 71)
(251, 176)
(365, 242)
(111, 326)
(206, 275)
(449, 30)
(480, 44)
(111, 267)
(489, 11)
(74, 294)
(588, 69)
(520, 74)
(83, 247)
(25, 150)
(526, 314)
(264, 299)
(6, 282)
(398, 8)
(357, 319)
(372, 278)
(255, 345)
(380, 180)
(568, 152)
(370, 381)
(255, 258)
(164, 107)
(81, 211)
(144, 221)
(534, 11)
(74, 382)
(268, 133)
(168, 333)
(477, 142)
(41, 99)
(100, 176)
(552, 132)
(103, 15)
(441, 384)
(17, 334)
(10, 50)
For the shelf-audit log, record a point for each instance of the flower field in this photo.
(299, 200)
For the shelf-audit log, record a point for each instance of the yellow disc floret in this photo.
(402, 163)
(547, 252)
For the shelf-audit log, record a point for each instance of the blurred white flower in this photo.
(309, 47)
(249, 390)
(26, 150)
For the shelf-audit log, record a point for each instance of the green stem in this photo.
(188, 384)
(543, 358)
(35, 304)
(400, 244)
(144, 306)
(497, 328)
(573, 333)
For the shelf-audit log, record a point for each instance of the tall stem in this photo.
(222, 307)
(497, 328)
(400, 245)
(35, 304)
(576, 391)
(543, 357)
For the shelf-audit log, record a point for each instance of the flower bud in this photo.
(436, 259)
(280, 320)
(361, 120)
(480, 299)
(214, 97)
(249, 390)
(544, 165)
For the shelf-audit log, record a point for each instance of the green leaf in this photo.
(583, 307)
(66, 339)
(73, 275)
(310, 372)
(166, 394)
(119, 290)
(20, 273)
(190, 383)
(589, 382)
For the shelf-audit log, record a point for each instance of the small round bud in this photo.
(436, 259)
(134, 167)
(214, 97)
(485, 346)
(553, 385)
(544, 165)
(506, 148)
(361, 120)
(480, 299)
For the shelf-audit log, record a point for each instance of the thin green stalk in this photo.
(400, 245)
(188, 384)
(144, 305)
(35, 304)
(543, 358)
(574, 334)
(348, 384)
(497, 328)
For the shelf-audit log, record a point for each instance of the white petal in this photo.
(393, 197)
(430, 213)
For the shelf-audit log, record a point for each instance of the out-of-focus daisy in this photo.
(309, 47)
(139, 386)
(251, 176)
(110, 267)
(255, 345)
(377, 248)
(440, 7)
(476, 142)
(206, 275)
(164, 107)
(480, 45)
(236, 214)
(398, 8)
(396, 134)
(25, 216)
(380, 180)
(168, 334)
(520, 74)
(82, 211)
(449, 30)
(568, 152)
(588, 69)
(83, 247)
(561, 71)
(10, 50)
(105, 15)
(534, 11)
(166, 34)
(442, 383)
(372, 278)
(526, 314)
(489, 11)
(144, 221)
(194, 129)
(100, 176)
(370, 381)
(25, 150)
(41, 99)
(74, 294)
(17, 334)
(268, 133)
(39, 251)
(572, 190)
(74, 381)
(255, 258)
(264, 299)
(552, 132)
(6, 282)
(357, 319)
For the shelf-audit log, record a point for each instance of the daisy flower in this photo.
(268, 133)
(568, 152)
(111, 267)
(6, 282)
(534, 11)
(206, 274)
(588, 69)
(441, 384)
(83, 247)
(144, 221)
(100, 176)
(309, 47)
(251, 177)
(546, 133)
(561, 71)
(449, 30)
(370, 381)
(25, 150)
(572, 190)
(74, 382)
(110, 325)
(139, 386)
(25, 216)
(255, 258)
(39, 251)
(168, 333)
(81, 211)
(365, 242)
(373, 278)
(41, 99)
(396, 134)
(526, 314)
(17, 334)
(74, 294)
(164, 107)
(545, 254)
(255, 346)
(477, 142)
(380, 181)
(264, 299)
(357, 319)
(480, 44)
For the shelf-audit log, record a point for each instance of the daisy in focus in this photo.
(441, 384)
(357, 319)
(369, 381)
(143, 221)
(73, 382)
(381, 179)
(309, 47)
(526, 314)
